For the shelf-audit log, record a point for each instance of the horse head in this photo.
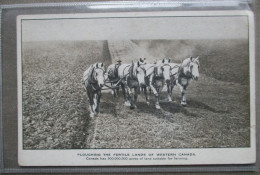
(142, 61)
(164, 69)
(98, 74)
(191, 67)
(194, 68)
(137, 71)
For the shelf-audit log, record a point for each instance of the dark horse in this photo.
(93, 80)
(133, 77)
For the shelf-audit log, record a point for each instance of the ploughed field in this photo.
(55, 106)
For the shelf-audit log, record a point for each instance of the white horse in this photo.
(159, 77)
(133, 76)
(182, 74)
(93, 80)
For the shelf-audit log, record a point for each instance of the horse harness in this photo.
(188, 75)
(156, 70)
(131, 78)
(131, 72)
(158, 78)
(181, 73)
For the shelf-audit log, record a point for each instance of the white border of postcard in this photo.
(99, 157)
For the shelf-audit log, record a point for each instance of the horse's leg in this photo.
(157, 106)
(183, 94)
(117, 90)
(91, 103)
(146, 95)
(184, 103)
(172, 86)
(98, 101)
(132, 97)
(128, 96)
(136, 92)
(159, 90)
(125, 94)
(112, 91)
(95, 98)
(169, 91)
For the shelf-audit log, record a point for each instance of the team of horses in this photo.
(139, 76)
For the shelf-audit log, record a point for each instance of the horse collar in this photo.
(182, 74)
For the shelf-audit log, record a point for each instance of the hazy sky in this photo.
(136, 28)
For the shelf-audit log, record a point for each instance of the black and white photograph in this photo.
(111, 87)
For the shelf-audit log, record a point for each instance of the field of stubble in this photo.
(55, 107)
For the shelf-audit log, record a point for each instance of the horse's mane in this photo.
(135, 66)
(197, 61)
(186, 62)
(162, 62)
(93, 67)
(92, 70)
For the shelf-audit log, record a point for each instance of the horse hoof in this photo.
(127, 103)
(170, 99)
(157, 107)
(183, 103)
(115, 95)
(92, 115)
(132, 107)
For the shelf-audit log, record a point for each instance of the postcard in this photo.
(136, 88)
